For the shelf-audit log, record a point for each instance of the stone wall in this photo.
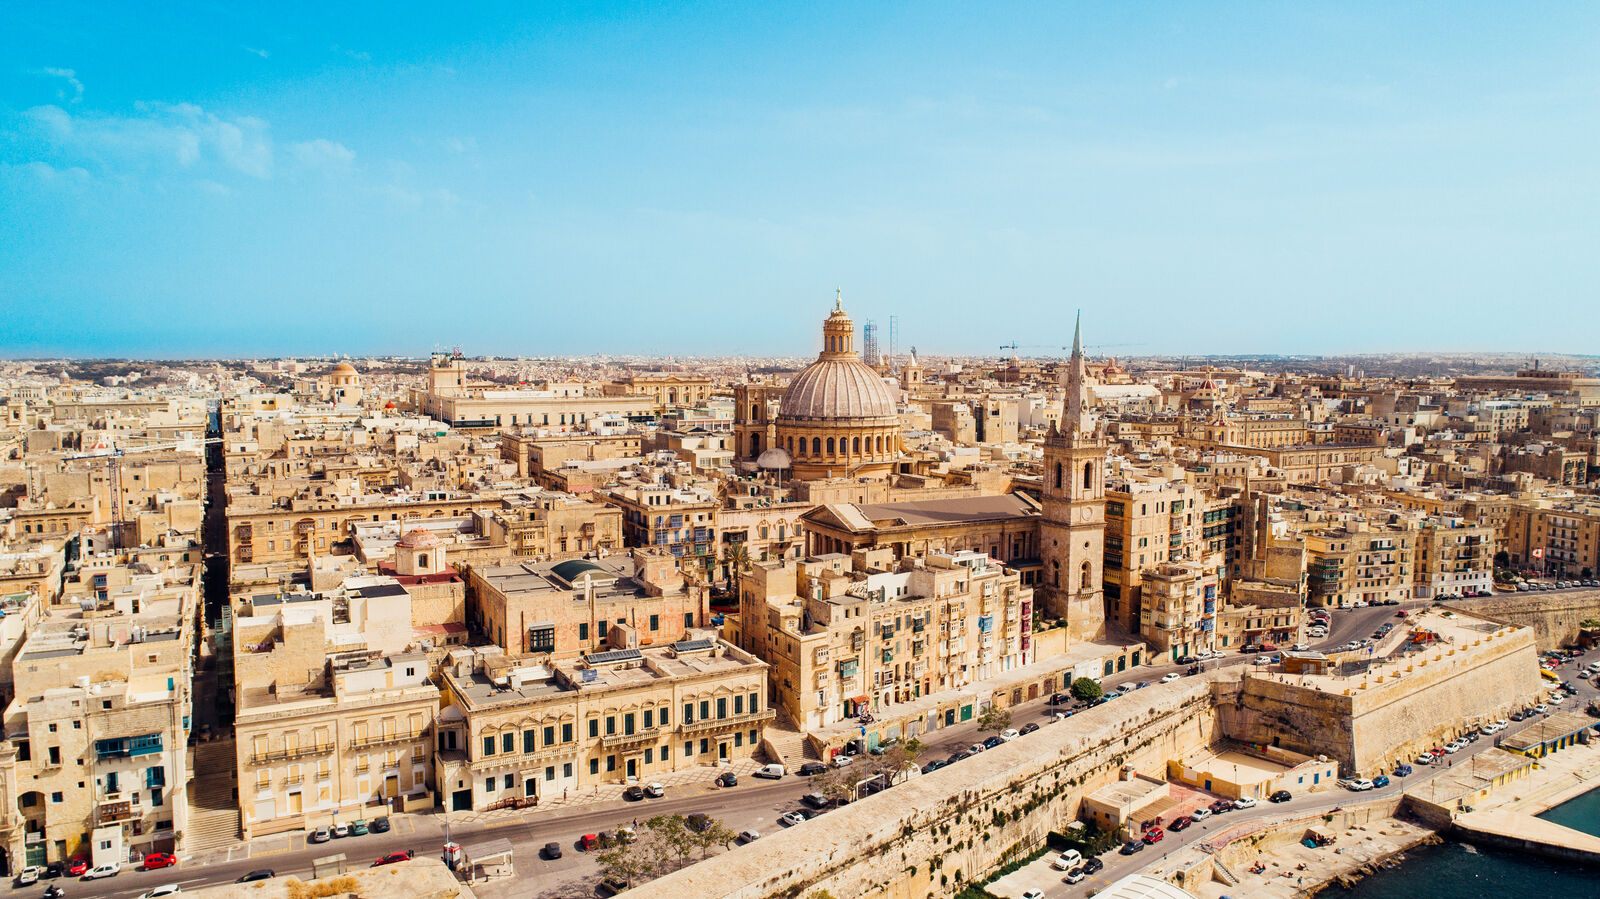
(933, 834)
(1369, 725)
(1554, 617)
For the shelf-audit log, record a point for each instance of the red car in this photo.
(394, 857)
(589, 842)
(1153, 835)
(159, 860)
(1182, 823)
(77, 866)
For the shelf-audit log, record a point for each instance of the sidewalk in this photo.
(430, 825)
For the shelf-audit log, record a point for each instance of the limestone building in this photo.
(857, 633)
(516, 731)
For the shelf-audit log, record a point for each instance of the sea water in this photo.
(1453, 870)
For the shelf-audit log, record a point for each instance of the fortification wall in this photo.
(1370, 724)
(931, 835)
(1554, 617)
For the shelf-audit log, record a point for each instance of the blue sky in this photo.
(697, 179)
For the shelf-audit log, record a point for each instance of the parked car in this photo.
(612, 885)
(1200, 814)
(842, 760)
(1028, 728)
(258, 874)
(320, 835)
(1356, 784)
(791, 819)
(403, 855)
(1263, 660)
(770, 772)
(1007, 735)
(156, 860)
(815, 800)
(160, 892)
(633, 793)
(1153, 835)
(976, 748)
(1402, 770)
(748, 836)
(655, 790)
(1033, 894)
(53, 870)
(1380, 781)
(589, 842)
(810, 768)
(1181, 823)
(341, 830)
(1244, 802)
(1222, 805)
(358, 828)
(29, 876)
(809, 813)
(379, 825)
(993, 742)
(77, 866)
(1423, 759)
(1076, 876)
(1280, 796)
(1170, 677)
(1068, 860)
(1093, 865)
(551, 851)
(1131, 847)
(933, 766)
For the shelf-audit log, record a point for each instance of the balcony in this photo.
(637, 738)
(734, 722)
(113, 809)
(387, 739)
(291, 752)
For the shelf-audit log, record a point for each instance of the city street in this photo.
(754, 804)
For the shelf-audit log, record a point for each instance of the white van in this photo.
(772, 772)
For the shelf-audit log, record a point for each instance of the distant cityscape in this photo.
(1023, 625)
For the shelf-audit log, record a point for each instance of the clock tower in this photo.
(1073, 521)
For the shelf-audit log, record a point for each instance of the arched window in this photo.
(830, 446)
(856, 445)
(753, 413)
(791, 445)
(422, 560)
(1083, 577)
(816, 446)
(1088, 475)
(755, 445)
(880, 444)
(1055, 575)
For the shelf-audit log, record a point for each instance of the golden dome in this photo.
(838, 385)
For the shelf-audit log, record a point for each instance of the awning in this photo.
(861, 700)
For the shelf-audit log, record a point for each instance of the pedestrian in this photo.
(636, 822)
(563, 794)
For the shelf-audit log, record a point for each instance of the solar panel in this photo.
(615, 655)
(692, 645)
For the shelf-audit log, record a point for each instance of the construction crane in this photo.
(113, 459)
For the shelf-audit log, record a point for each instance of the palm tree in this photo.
(738, 561)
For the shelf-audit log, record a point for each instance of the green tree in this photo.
(737, 558)
(839, 784)
(1086, 689)
(623, 862)
(994, 719)
(674, 840)
(711, 836)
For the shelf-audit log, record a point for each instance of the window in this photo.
(549, 734)
(594, 766)
(611, 763)
(753, 706)
(649, 755)
(529, 744)
(583, 630)
(54, 797)
(566, 769)
(664, 714)
(611, 725)
(488, 785)
(488, 745)
(705, 709)
(738, 738)
(542, 638)
(627, 723)
(688, 619)
(722, 707)
(508, 781)
(594, 728)
(688, 713)
(738, 705)
(508, 742)
(566, 732)
(688, 748)
(655, 622)
(649, 718)
(550, 772)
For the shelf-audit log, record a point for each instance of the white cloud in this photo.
(182, 132)
(72, 79)
(322, 154)
(460, 144)
(43, 173)
(257, 51)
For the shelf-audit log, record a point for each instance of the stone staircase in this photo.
(213, 810)
(784, 743)
(1222, 872)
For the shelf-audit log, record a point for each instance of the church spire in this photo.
(1075, 414)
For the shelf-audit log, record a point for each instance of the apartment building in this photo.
(515, 731)
(1560, 538)
(95, 760)
(1360, 561)
(565, 608)
(328, 729)
(1453, 557)
(1154, 516)
(865, 632)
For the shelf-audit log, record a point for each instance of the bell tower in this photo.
(1073, 520)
